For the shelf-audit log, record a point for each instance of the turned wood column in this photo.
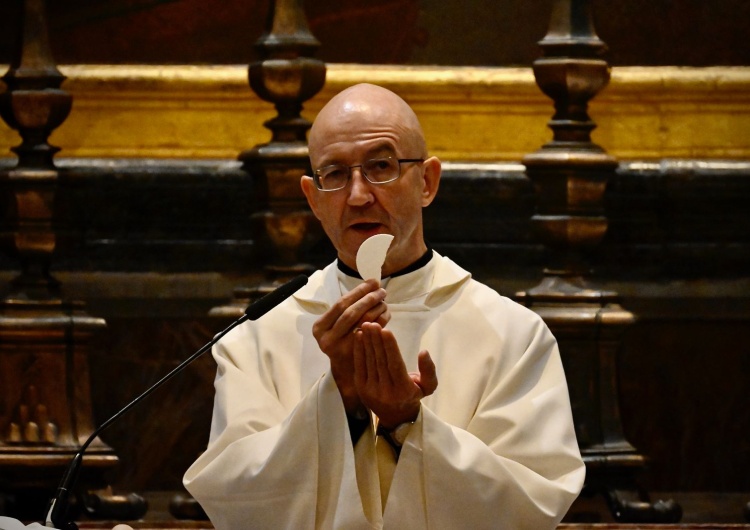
(286, 75)
(570, 175)
(45, 402)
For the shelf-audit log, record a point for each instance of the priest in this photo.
(420, 400)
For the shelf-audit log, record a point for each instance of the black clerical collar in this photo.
(421, 262)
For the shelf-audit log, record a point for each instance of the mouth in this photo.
(365, 227)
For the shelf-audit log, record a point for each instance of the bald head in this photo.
(367, 107)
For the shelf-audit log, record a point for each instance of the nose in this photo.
(360, 192)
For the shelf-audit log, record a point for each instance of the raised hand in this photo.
(334, 332)
(382, 382)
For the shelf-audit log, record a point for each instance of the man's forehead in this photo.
(347, 151)
(363, 132)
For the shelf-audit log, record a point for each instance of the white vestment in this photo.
(493, 447)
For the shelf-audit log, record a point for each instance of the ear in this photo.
(311, 193)
(431, 180)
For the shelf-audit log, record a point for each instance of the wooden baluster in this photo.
(287, 75)
(570, 175)
(45, 401)
(34, 105)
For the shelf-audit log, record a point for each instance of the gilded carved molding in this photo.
(469, 114)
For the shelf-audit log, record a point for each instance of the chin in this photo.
(357, 236)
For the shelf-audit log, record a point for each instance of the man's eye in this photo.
(381, 164)
(335, 174)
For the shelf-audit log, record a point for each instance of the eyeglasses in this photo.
(376, 171)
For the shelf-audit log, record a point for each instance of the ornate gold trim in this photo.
(468, 114)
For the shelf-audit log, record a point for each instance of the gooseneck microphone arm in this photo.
(57, 512)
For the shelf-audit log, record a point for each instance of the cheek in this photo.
(329, 216)
(409, 206)
(328, 224)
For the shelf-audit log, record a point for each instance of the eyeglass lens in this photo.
(377, 171)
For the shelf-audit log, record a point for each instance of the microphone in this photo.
(56, 515)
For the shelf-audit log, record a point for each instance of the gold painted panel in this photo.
(468, 114)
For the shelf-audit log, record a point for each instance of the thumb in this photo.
(427, 373)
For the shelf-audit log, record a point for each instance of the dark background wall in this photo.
(442, 32)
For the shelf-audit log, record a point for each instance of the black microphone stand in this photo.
(57, 512)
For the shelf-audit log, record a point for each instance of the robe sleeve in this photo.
(515, 465)
(267, 466)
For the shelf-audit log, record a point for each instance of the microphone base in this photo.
(30, 478)
(28, 504)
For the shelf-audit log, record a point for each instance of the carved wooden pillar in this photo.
(570, 175)
(45, 402)
(287, 75)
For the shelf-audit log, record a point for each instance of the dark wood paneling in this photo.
(151, 246)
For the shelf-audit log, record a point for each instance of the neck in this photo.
(420, 262)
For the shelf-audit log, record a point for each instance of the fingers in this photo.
(384, 318)
(358, 305)
(380, 314)
(365, 363)
(362, 304)
(386, 389)
(382, 382)
(384, 363)
(378, 360)
(360, 360)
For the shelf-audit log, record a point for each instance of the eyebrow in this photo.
(380, 149)
(377, 151)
